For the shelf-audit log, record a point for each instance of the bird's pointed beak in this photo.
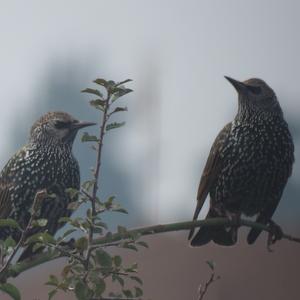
(82, 124)
(238, 85)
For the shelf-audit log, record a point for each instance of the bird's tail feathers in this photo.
(219, 235)
(196, 214)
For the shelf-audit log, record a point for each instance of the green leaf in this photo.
(109, 202)
(81, 244)
(100, 287)
(68, 232)
(118, 109)
(123, 82)
(117, 208)
(101, 82)
(88, 184)
(117, 260)
(132, 268)
(110, 84)
(143, 244)
(101, 224)
(64, 220)
(37, 246)
(121, 230)
(66, 270)
(88, 138)
(81, 224)
(211, 264)
(118, 278)
(73, 205)
(51, 294)
(72, 193)
(127, 293)
(40, 222)
(138, 292)
(137, 279)
(42, 237)
(92, 91)
(10, 242)
(10, 290)
(119, 92)
(82, 291)
(9, 223)
(103, 258)
(135, 235)
(53, 280)
(114, 125)
(130, 247)
(98, 104)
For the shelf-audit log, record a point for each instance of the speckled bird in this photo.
(248, 165)
(46, 162)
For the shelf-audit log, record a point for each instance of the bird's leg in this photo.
(274, 235)
(235, 218)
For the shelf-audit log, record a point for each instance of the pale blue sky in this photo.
(175, 51)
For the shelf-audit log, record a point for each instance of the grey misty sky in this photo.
(177, 52)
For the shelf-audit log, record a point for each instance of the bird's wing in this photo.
(6, 184)
(211, 170)
(5, 201)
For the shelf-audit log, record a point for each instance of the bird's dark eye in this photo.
(61, 124)
(254, 89)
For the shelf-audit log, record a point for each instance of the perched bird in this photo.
(248, 165)
(45, 162)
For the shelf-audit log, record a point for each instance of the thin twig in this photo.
(87, 194)
(203, 289)
(97, 180)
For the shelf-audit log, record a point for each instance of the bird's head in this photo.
(255, 96)
(56, 128)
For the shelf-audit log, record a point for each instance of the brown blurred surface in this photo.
(171, 269)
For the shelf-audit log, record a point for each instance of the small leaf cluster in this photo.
(9, 247)
(104, 101)
(90, 266)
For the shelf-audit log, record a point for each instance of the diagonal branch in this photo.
(40, 195)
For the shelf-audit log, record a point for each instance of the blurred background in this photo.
(177, 53)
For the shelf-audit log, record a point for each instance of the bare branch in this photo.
(216, 222)
(203, 288)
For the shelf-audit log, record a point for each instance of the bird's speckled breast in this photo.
(34, 168)
(258, 160)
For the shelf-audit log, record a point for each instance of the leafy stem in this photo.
(97, 173)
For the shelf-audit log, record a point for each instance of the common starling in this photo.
(248, 165)
(46, 162)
